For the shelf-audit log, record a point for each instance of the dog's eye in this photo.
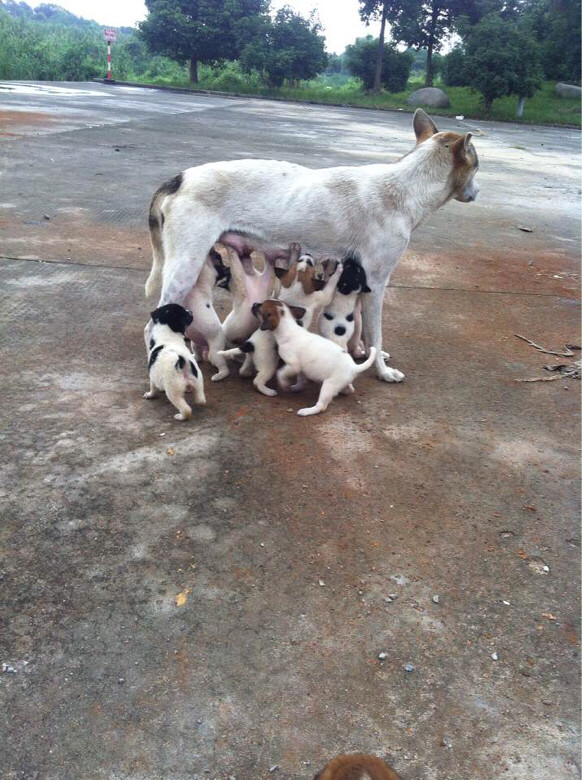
(327, 315)
(350, 317)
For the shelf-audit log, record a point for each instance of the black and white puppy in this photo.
(341, 319)
(171, 364)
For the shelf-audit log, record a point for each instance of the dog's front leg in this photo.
(372, 327)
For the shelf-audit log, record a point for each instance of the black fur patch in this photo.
(248, 346)
(327, 315)
(152, 343)
(350, 317)
(193, 368)
(353, 277)
(180, 363)
(172, 186)
(339, 330)
(154, 355)
(174, 316)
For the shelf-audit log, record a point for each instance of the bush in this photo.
(360, 61)
(453, 68)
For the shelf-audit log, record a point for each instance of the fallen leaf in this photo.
(171, 451)
(182, 597)
(549, 616)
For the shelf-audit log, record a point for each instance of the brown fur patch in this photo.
(286, 275)
(357, 767)
(270, 313)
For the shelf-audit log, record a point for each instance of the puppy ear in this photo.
(280, 272)
(297, 311)
(365, 288)
(423, 126)
(318, 284)
(256, 309)
(467, 140)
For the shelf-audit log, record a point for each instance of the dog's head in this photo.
(304, 272)
(357, 766)
(454, 148)
(271, 312)
(353, 278)
(176, 317)
(223, 273)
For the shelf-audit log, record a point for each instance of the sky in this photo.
(340, 18)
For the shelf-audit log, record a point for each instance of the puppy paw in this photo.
(181, 417)
(267, 391)
(308, 411)
(385, 355)
(219, 376)
(388, 374)
(149, 395)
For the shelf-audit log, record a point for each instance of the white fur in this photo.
(317, 359)
(248, 286)
(369, 210)
(166, 376)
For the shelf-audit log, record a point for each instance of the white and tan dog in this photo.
(247, 286)
(309, 354)
(171, 364)
(368, 212)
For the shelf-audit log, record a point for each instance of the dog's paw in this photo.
(267, 391)
(181, 417)
(388, 374)
(219, 376)
(308, 411)
(149, 395)
(348, 390)
(385, 355)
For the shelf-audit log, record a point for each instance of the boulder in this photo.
(429, 96)
(568, 91)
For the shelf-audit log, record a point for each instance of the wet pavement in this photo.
(209, 600)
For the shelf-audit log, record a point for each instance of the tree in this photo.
(360, 59)
(290, 47)
(453, 68)
(501, 59)
(556, 26)
(374, 10)
(196, 31)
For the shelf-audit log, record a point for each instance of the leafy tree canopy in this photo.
(360, 59)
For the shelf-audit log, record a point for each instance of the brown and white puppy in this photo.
(357, 766)
(248, 286)
(171, 364)
(301, 285)
(309, 354)
(367, 210)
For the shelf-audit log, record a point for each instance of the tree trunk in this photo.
(380, 55)
(431, 41)
(193, 70)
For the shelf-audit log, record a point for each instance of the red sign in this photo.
(110, 35)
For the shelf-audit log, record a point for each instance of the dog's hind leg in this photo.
(372, 327)
(175, 395)
(328, 392)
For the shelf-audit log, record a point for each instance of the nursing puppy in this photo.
(301, 285)
(357, 767)
(341, 320)
(171, 364)
(309, 354)
(248, 286)
(368, 211)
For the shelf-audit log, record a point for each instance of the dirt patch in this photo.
(21, 119)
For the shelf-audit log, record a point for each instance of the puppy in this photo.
(247, 286)
(357, 767)
(310, 354)
(341, 320)
(305, 286)
(171, 364)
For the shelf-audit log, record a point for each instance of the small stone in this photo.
(495, 656)
(273, 768)
(436, 598)
(507, 603)
(393, 596)
(387, 599)
(525, 229)
(409, 667)
(121, 681)
(446, 742)
(46, 216)
(321, 583)
(382, 656)
(289, 409)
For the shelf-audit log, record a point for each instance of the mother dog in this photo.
(368, 212)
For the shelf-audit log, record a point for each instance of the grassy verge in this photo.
(545, 107)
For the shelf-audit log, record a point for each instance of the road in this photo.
(210, 600)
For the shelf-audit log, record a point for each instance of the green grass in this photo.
(545, 107)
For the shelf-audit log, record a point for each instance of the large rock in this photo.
(429, 96)
(568, 91)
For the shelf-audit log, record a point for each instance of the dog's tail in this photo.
(367, 363)
(156, 224)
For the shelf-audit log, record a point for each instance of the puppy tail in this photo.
(367, 363)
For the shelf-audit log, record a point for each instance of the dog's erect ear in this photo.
(423, 126)
(467, 140)
(461, 146)
(297, 311)
(365, 288)
(280, 272)
(256, 309)
(318, 284)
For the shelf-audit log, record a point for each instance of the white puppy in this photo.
(310, 354)
(248, 286)
(171, 364)
(341, 320)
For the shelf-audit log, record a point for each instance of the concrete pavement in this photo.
(161, 583)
